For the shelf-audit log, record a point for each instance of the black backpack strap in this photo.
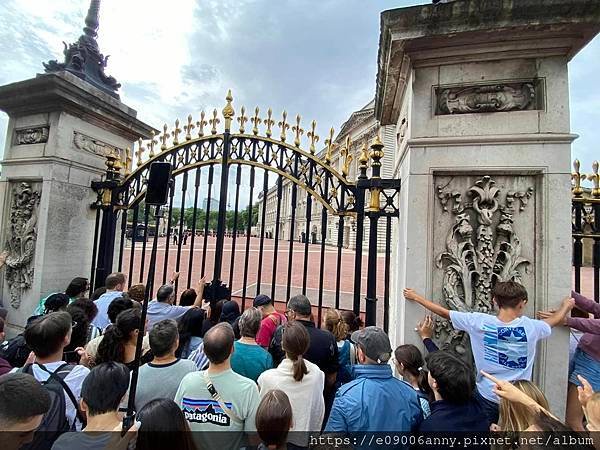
(59, 375)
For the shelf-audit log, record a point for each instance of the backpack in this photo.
(55, 421)
(15, 351)
(275, 349)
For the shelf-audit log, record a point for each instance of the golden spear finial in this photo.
(269, 122)
(228, 111)
(140, 152)
(214, 121)
(176, 132)
(312, 135)
(348, 157)
(256, 121)
(577, 177)
(284, 126)
(127, 161)
(151, 143)
(242, 119)
(201, 124)
(595, 178)
(165, 135)
(330, 146)
(299, 131)
(188, 128)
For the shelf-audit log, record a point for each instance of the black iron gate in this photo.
(246, 252)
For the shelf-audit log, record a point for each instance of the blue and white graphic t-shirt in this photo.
(505, 350)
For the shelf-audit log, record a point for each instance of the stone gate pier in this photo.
(478, 91)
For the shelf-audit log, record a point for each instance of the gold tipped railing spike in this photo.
(153, 142)
(299, 131)
(269, 123)
(228, 111)
(363, 159)
(256, 121)
(595, 179)
(127, 161)
(284, 126)
(188, 128)
(140, 151)
(242, 119)
(330, 146)
(348, 157)
(163, 138)
(313, 136)
(214, 121)
(176, 132)
(117, 166)
(577, 177)
(201, 124)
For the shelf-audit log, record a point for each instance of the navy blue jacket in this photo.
(446, 416)
(374, 401)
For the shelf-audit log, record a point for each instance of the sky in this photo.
(317, 58)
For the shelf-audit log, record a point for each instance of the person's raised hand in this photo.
(84, 358)
(568, 303)
(541, 315)
(30, 358)
(3, 257)
(426, 327)
(174, 277)
(585, 391)
(505, 389)
(410, 294)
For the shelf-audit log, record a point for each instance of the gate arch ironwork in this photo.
(195, 145)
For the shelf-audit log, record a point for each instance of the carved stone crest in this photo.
(95, 146)
(35, 135)
(481, 248)
(21, 241)
(486, 98)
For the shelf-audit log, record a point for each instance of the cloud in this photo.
(314, 58)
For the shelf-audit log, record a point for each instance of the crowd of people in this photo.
(215, 377)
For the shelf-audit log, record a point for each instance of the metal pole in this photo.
(371, 299)
(130, 415)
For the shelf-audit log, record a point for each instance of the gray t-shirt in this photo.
(161, 381)
(82, 441)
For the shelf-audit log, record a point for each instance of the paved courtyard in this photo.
(266, 278)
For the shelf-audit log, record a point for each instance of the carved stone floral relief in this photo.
(480, 244)
(21, 240)
(95, 146)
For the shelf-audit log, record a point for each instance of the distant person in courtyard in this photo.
(515, 334)
(249, 359)
(270, 321)
(375, 401)
(160, 378)
(115, 284)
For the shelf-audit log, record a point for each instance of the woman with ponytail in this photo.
(410, 365)
(119, 340)
(335, 324)
(301, 380)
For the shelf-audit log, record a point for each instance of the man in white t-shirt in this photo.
(502, 345)
(218, 400)
(47, 337)
(115, 283)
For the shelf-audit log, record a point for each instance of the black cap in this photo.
(261, 300)
(374, 342)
